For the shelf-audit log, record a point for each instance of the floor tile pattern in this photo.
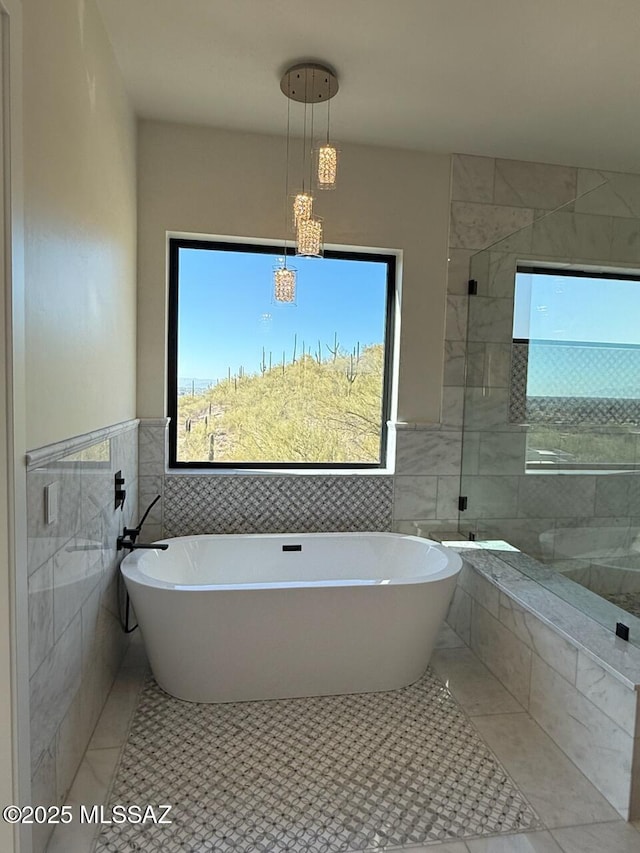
(321, 774)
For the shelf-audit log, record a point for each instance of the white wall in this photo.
(80, 225)
(14, 695)
(209, 181)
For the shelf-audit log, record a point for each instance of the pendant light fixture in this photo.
(303, 200)
(327, 166)
(302, 208)
(284, 277)
(308, 83)
(310, 238)
(284, 283)
(326, 159)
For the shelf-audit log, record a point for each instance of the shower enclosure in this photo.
(551, 433)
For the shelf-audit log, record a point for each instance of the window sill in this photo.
(280, 472)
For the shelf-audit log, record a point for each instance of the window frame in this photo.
(213, 244)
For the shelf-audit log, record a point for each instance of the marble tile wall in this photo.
(421, 496)
(566, 671)
(75, 640)
(427, 479)
(490, 199)
(152, 452)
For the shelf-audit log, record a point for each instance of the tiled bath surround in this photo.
(76, 643)
(420, 496)
(574, 678)
(152, 450)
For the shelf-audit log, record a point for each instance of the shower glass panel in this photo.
(551, 435)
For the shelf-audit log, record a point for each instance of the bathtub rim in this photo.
(131, 570)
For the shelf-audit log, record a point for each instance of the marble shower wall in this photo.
(76, 643)
(490, 199)
(506, 205)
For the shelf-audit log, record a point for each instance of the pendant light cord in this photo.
(286, 180)
(304, 142)
(313, 88)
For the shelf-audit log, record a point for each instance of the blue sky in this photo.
(226, 312)
(558, 307)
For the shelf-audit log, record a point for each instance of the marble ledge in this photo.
(450, 536)
(619, 658)
(52, 452)
(154, 422)
(422, 426)
(264, 473)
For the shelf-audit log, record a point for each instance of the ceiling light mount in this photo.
(309, 83)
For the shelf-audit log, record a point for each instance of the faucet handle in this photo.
(122, 542)
(131, 532)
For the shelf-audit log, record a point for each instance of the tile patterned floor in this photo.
(323, 774)
(576, 818)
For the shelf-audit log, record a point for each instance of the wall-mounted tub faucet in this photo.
(122, 542)
(128, 537)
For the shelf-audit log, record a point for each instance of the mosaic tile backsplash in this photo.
(326, 774)
(264, 504)
(421, 495)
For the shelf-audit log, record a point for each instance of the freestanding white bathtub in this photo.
(227, 618)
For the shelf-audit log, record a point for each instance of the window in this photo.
(255, 383)
(575, 367)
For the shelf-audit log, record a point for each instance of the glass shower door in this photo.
(551, 434)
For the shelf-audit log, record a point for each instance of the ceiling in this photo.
(549, 80)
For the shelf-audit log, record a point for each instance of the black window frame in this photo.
(178, 243)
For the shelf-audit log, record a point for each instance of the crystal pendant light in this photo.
(284, 277)
(327, 166)
(302, 208)
(326, 159)
(310, 238)
(284, 283)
